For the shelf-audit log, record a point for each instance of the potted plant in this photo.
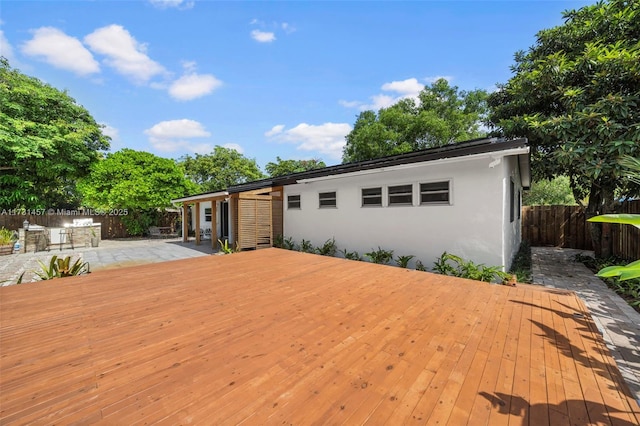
(6, 241)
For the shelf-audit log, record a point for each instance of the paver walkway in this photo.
(110, 254)
(618, 322)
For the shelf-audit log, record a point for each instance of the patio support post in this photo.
(185, 224)
(197, 207)
(214, 224)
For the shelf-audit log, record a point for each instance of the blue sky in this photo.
(269, 79)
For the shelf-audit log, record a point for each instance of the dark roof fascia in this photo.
(473, 147)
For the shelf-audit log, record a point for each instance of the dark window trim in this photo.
(512, 200)
(293, 206)
(364, 197)
(447, 191)
(330, 198)
(406, 193)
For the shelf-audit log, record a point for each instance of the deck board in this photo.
(273, 337)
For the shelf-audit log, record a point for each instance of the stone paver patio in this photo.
(110, 254)
(618, 322)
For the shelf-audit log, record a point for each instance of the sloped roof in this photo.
(462, 149)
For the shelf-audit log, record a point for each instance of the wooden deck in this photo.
(279, 337)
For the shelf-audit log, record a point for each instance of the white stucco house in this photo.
(462, 198)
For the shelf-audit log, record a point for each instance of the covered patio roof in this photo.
(274, 337)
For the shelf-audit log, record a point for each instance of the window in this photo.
(434, 193)
(371, 197)
(207, 214)
(401, 195)
(293, 202)
(519, 204)
(327, 199)
(512, 201)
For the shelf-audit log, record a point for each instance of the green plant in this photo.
(626, 272)
(450, 264)
(329, 248)
(278, 241)
(307, 247)
(60, 268)
(289, 244)
(224, 247)
(521, 266)
(380, 256)
(351, 255)
(403, 261)
(6, 236)
(420, 266)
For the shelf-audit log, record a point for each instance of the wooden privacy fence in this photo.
(567, 227)
(111, 226)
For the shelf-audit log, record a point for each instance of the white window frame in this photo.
(335, 200)
(299, 207)
(449, 191)
(207, 215)
(404, 204)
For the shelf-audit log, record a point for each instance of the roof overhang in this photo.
(521, 152)
(207, 196)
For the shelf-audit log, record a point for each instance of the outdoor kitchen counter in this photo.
(51, 238)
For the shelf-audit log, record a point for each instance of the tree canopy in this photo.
(221, 168)
(575, 95)
(545, 192)
(442, 114)
(47, 142)
(286, 167)
(138, 181)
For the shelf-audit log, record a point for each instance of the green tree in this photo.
(545, 192)
(47, 142)
(442, 115)
(286, 167)
(222, 168)
(137, 181)
(575, 95)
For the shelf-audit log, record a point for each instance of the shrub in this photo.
(307, 247)
(450, 264)
(403, 261)
(60, 268)
(380, 256)
(328, 249)
(351, 255)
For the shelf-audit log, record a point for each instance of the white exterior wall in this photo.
(204, 224)
(512, 234)
(471, 227)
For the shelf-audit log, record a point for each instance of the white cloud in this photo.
(398, 90)
(124, 53)
(275, 130)
(408, 87)
(263, 36)
(6, 49)
(176, 135)
(327, 138)
(61, 51)
(179, 4)
(287, 28)
(192, 86)
(234, 146)
(111, 131)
